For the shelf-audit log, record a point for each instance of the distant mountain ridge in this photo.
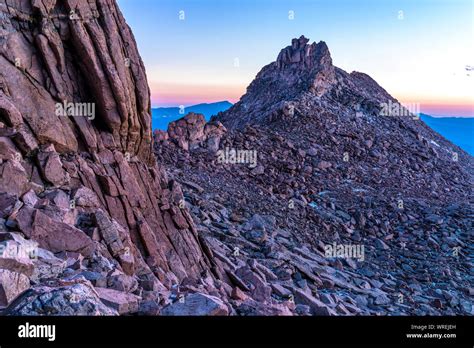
(161, 117)
(458, 130)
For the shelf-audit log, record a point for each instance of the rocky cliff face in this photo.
(77, 171)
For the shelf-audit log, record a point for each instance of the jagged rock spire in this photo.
(299, 68)
(305, 55)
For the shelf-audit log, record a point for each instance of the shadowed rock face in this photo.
(92, 169)
(72, 51)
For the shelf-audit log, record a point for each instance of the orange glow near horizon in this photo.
(175, 94)
(461, 107)
(447, 110)
(165, 95)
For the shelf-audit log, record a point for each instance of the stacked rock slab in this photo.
(76, 158)
(192, 132)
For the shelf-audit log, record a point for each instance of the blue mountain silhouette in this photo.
(161, 117)
(458, 130)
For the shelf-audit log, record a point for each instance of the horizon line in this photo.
(430, 109)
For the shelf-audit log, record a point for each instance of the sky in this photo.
(199, 51)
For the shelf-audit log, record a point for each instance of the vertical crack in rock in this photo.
(75, 116)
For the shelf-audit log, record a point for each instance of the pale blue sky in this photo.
(418, 55)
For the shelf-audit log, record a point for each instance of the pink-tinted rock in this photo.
(8, 150)
(13, 178)
(197, 304)
(17, 254)
(192, 131)
(123, 303)
(259, 290)
(85, 197)
(87, 62)
(57, 236)
(12, 284)
(122, 282)
(51, 166)
(317, 307)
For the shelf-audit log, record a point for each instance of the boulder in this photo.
(192, 131)
(122, 282)
(188, 132)
(197, 304)
(70, 299)
(317, 307)
(122, 302)
(47, 266)
(52, 166)
(85, 197)
(259, 289)
(57, 236)
(17, 257)
(12, 284)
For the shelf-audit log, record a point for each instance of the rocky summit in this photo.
(353, 205)
(316, 194)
